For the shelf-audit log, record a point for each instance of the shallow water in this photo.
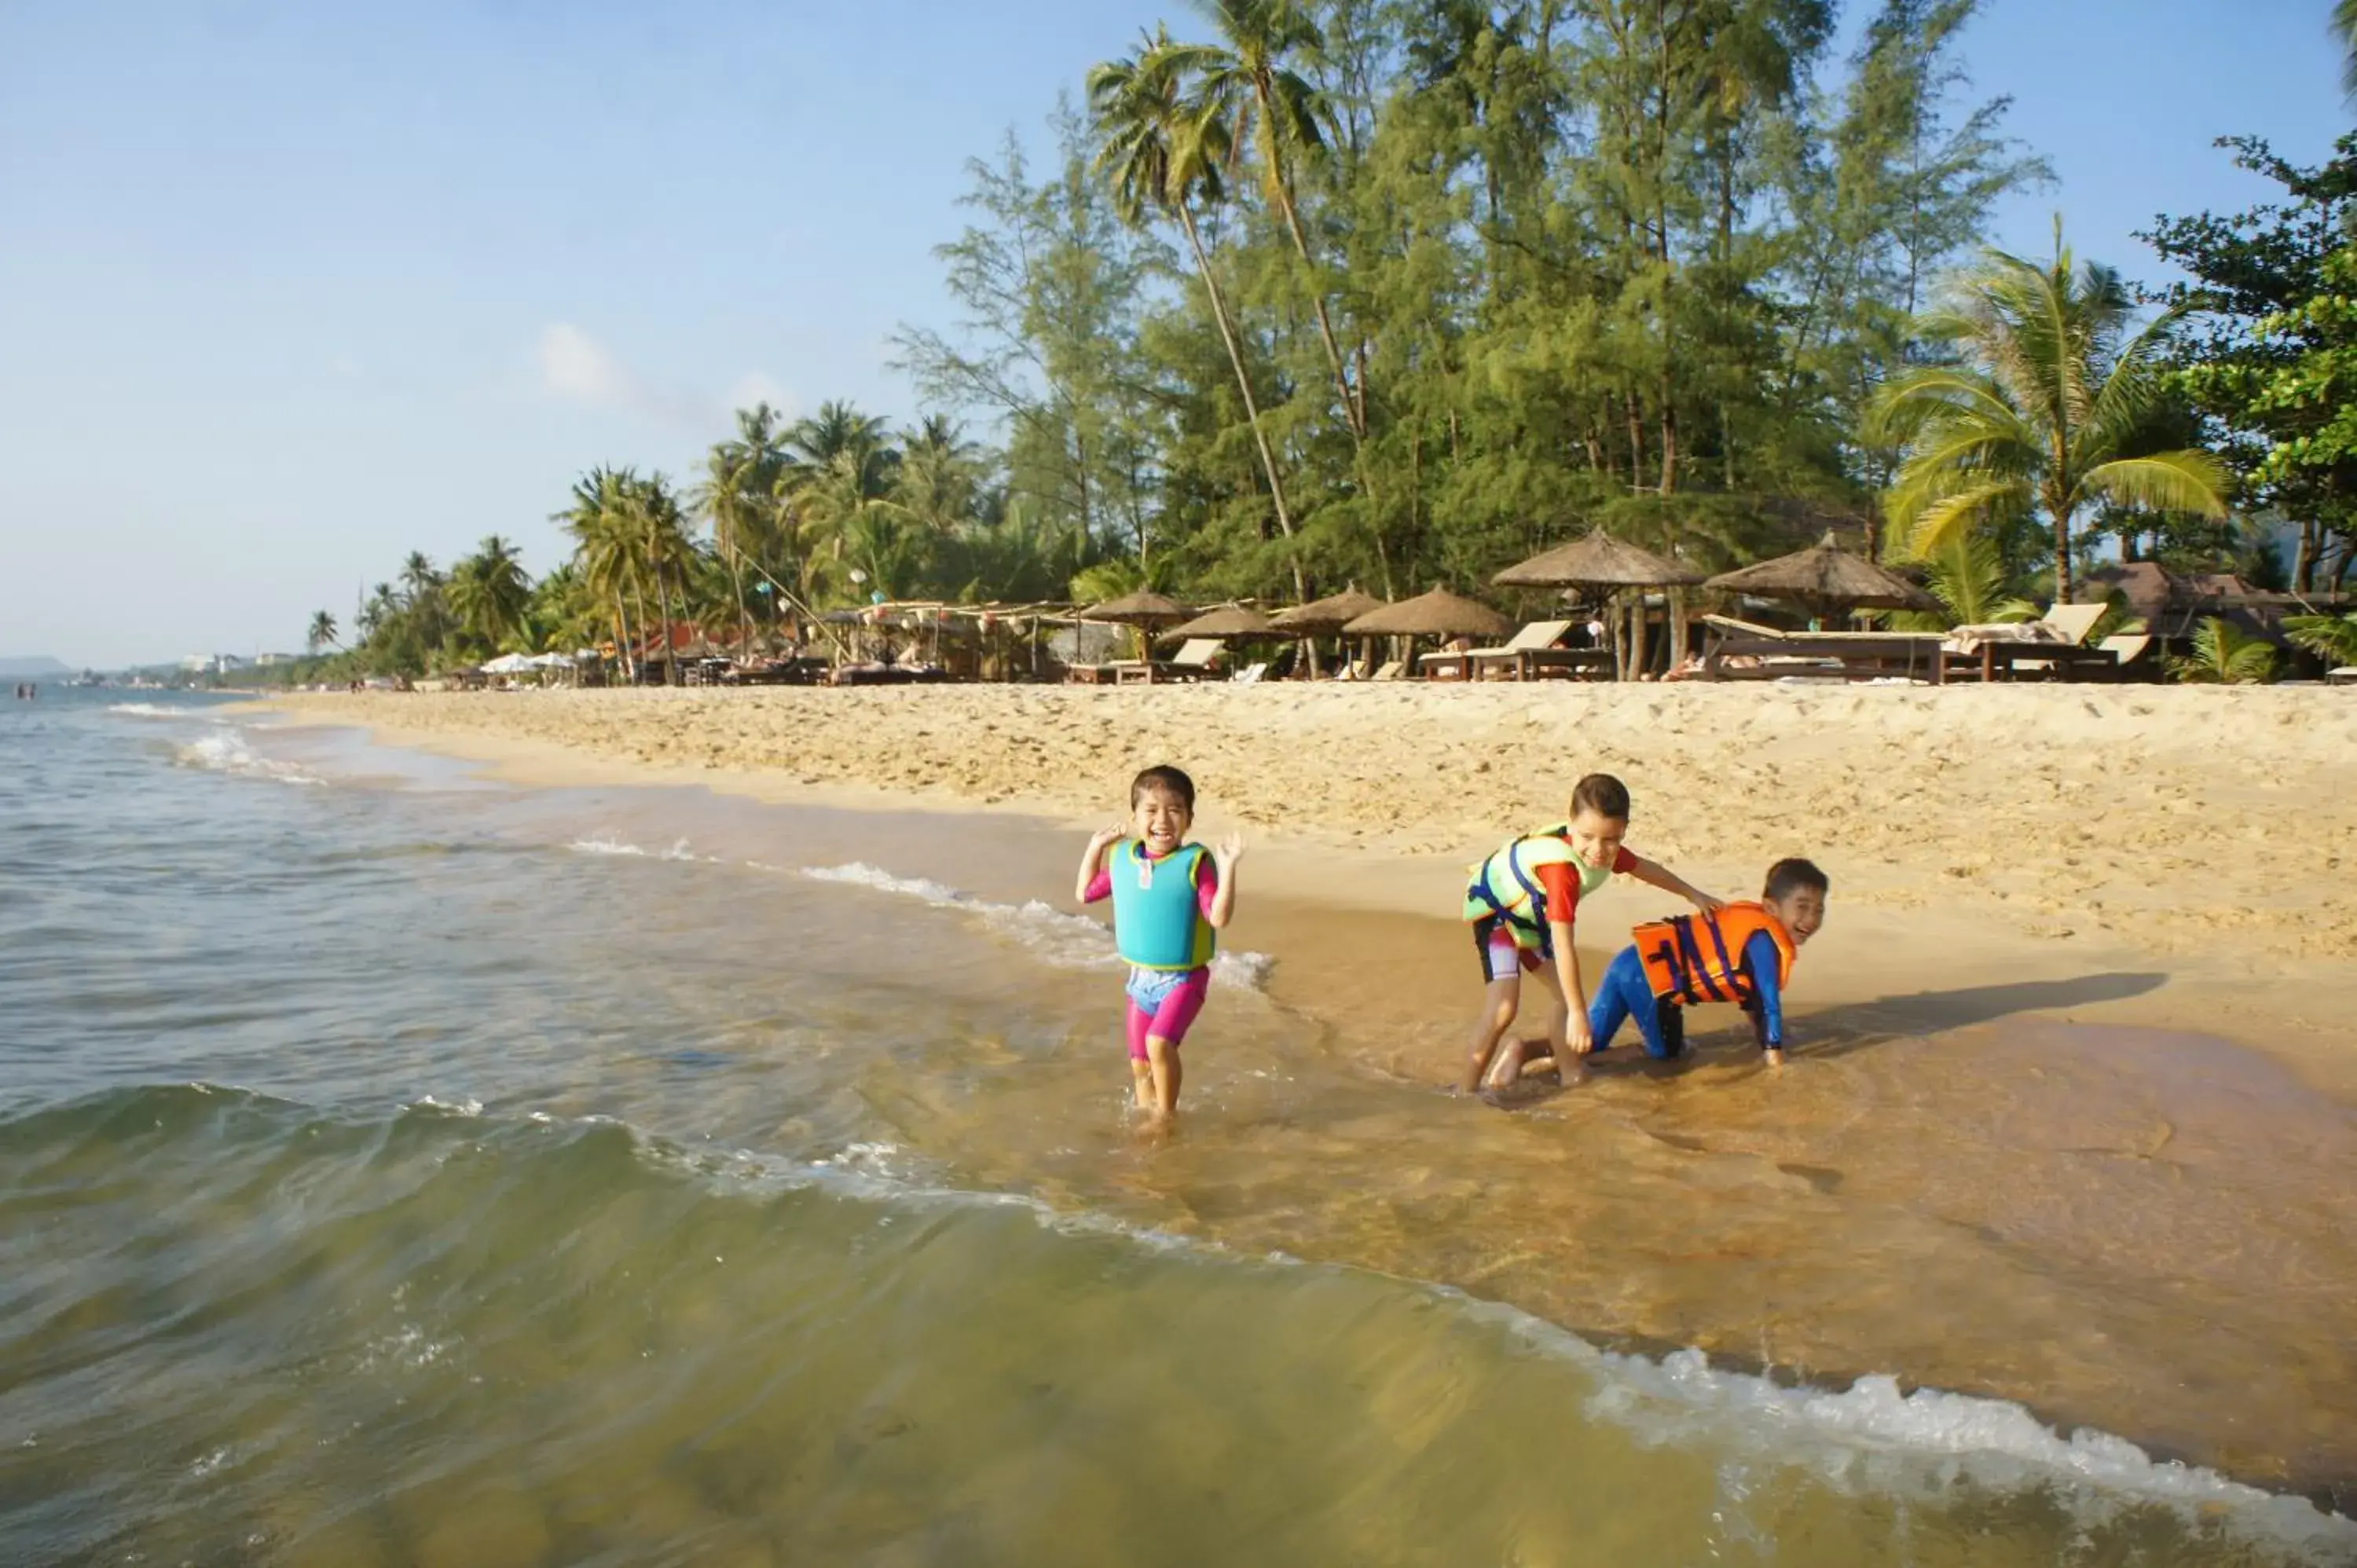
(400, 1169)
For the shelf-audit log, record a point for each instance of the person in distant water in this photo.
(1741, 952)
(1169, 898)
(1524, 902)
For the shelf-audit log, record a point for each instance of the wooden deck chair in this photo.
(1249, 675)
(2075, 621)
(1391, 672)
(1196, 655)
(2126, 649)
(2343, 675)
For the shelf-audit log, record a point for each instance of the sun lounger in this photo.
(1473, 664)
(1391, 672)
(2126, 650)
(2345, 675)
(1194, 660)
(1249, 675)
(1354, 671)
(1767, 653)
(2075, 621)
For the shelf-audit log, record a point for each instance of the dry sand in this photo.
(1974, 834)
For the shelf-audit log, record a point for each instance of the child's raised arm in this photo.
(1576, 1034)
(1655, 875)
(1092, 860)
(1224, 855)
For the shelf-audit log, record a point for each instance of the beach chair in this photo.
(2342, 675)
(2125, 651)
(1742, 649)
(1355, 670)
(1393, 670)
(2075, 621)
(1479, 664)
(1249, 675)
(1196, 658)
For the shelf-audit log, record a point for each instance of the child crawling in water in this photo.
(1524, 902)
(1170, 897)
(1741, 952)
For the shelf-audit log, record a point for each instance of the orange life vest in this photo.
(1699, 958)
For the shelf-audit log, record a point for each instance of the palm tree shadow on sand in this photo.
(1853, 1026)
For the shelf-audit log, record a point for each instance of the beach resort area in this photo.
(1540, 783)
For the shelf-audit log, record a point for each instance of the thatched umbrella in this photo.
(1437, 613)
(1600, 561)
(1597, 561)
(1227, 624)
(1826, 578)
(1140, 609)
(1321, 618)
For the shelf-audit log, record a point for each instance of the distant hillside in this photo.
(32, 667)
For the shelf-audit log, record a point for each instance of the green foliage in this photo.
(2049, 409)
(2270, 363)
(1968, 574)
(2224, 654)
(2333, 638)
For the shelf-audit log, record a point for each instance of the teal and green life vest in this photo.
(1158, 919)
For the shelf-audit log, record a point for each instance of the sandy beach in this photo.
(1974, 835)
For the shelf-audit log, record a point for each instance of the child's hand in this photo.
(1576, 1037)
(1111, 835)
(1228, 851)
(1707, 904)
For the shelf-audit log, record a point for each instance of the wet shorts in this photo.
(1162, 1005)
(1500, 949)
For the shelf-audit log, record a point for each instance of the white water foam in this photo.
(1058, 936)
(607, 845)
(225, 751)
(153, 711)
(1869, 1438)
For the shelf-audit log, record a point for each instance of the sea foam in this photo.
(225, 751)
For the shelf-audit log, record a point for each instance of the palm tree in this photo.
(1266, 104)
(488, 593)
(2225, 655)
(730, 501)
(2330, 637)
(2345, 28)
(1966, 574)
(322, 633)
(2044, 412)
(658, 532)
(604, 547)
(1164, 155)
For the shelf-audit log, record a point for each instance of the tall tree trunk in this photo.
(1244, 385)
(2065, 586)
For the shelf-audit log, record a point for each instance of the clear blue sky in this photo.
(289, 290)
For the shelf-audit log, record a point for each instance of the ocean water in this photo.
(399, 1168)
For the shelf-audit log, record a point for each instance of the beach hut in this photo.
(1825, 580)
(1623, 572)
(1436, 614)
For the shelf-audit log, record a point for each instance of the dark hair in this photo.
(1166, 780)
(1793, 875)
(1603, 794)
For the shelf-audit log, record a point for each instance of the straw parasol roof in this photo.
(1597, 561)
(1330, 614)
(1437, 613)
(1825, 574)
(1141, 608)
(1227, 621)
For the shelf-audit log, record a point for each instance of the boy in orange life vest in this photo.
(1742, 953)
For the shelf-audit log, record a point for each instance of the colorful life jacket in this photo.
(1507, 884)
(1699, 958)
(1158, 921)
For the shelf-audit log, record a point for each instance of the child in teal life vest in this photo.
(1170, 897)
(1522, 903)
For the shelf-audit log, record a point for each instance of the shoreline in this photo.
(2017, 1121)
(2138, 854)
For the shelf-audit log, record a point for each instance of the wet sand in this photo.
(2003, 1161)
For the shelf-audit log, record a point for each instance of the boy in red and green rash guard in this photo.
(1522, 903)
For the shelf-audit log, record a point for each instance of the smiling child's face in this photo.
(1802, 911)
(1160, 821)
(1595, 838)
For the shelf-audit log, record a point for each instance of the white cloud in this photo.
(759, 386)
(576, 368)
